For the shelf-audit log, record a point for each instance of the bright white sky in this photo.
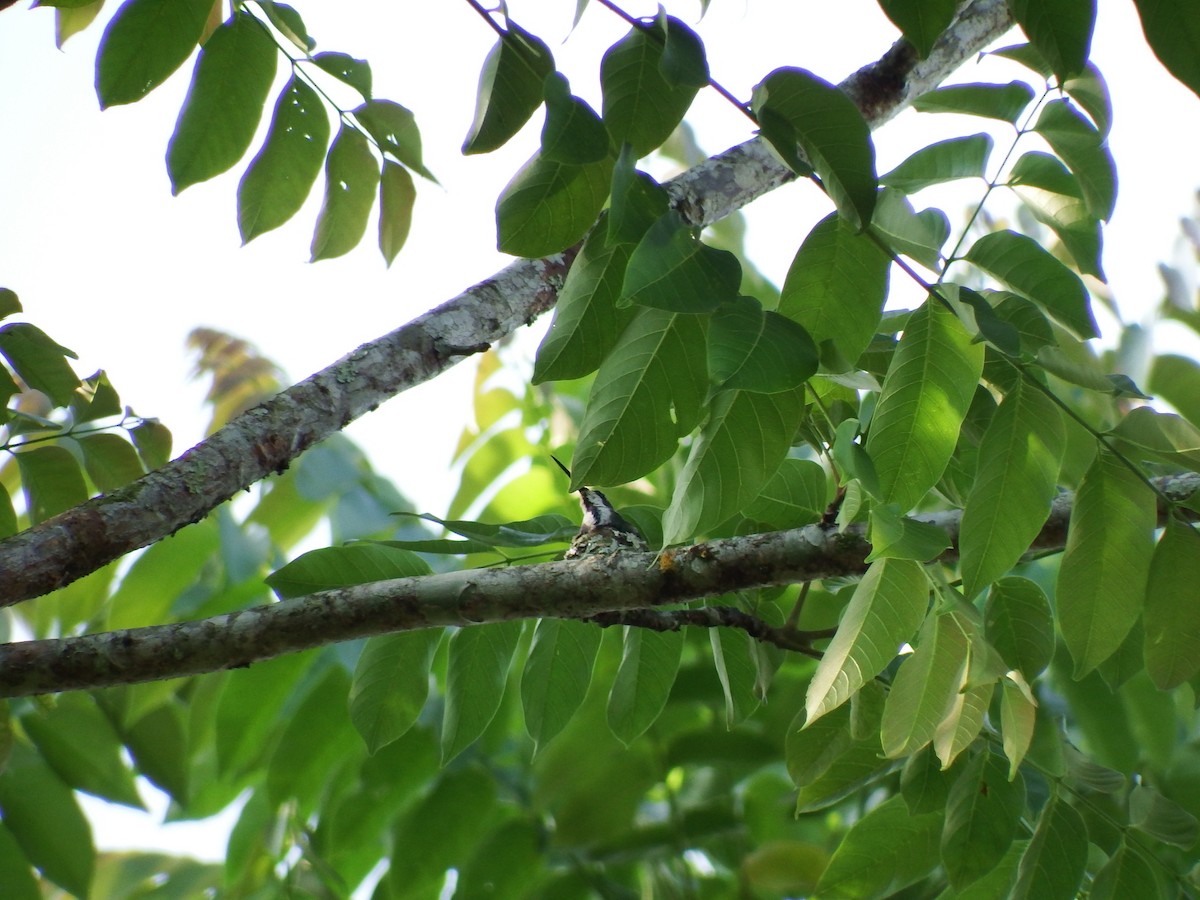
(112, 266)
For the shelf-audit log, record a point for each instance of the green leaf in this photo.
(79, 743)
(961, 727)
(289, 23)
(1160, 436)
(548, 206)
(391, 682)
(299, 767)
(921, 21)
(97, 399)
(44, 817)
(351, 177)
(1176, 379)
(1017, 479)
(1019, 624)
(145, 42)
(158, 742)
(1061, 30)
(924, 690)
(573, 133)
(982, 814)
(753, 350)
(224, 103)
(683, 60)
(884, 611)
(334, 567)
(509, 862)
(827, 760)
(1102, 579)
(638, 201)
(153, 442)
(510, 89)
(1005, 102)
(673, 270)
(1054, 862)
(587, 321)
(525, 533)
(1053, 195)
(1171, 619)
(832, 133)
(647, 394)
(1172, 29)
(110, 460)
(836, 286)
(394, 128)
(557, 675)
(1126, 876)
(1023, 265)
(737, 671)
(894, 536)
(916, 234)
(476, 674)
(641, 106)
(925, 397)
(883, 852)
(16, 872)
(348, 70)
(649, 664)
(52, 481)
(1163, 819)
(281, 176)
(10, 304)
(39, 361)
(963, 157)
(396, 197)
(1086, 153)
(1018, 718)
(740, 447)
(795, 495)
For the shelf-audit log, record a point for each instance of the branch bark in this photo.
(267, 438)
(594, 587)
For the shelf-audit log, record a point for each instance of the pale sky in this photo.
(111, 265)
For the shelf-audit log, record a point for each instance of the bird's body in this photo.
(604, 530)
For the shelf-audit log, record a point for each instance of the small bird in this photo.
(603, 530)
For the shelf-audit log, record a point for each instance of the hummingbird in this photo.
(603, 530)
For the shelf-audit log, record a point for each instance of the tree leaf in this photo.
(1102, 579)
(1176, 379)
(510, 89)
(916, 234)
(110, 460)
(756, 350)
(1160, 436)
(1172, 29)
(394, 127)
(351, 178)
(982, 814)
(1005, 102)
(645, 396)
(1085, 151)
(143, 44)
(281, 176)
(831, 131)
(548, 206)
(52, 481)
(925, 687)
(1022, 264)
(737, 672)
(883, 852)
(289, 23)
(1019, 624)
(836, 286)
(884, 611)
(1017, 480)
(1161, 818)
(299, 767)
(1018, 718)
(475, 677)
(649, 664)
(962, 157)
(1061, 30)
(921, 21)
(1054, 197)
(39, 361)
(900, 537)
(671, 269)
(683, 61)
(556, 675)
(573, 133)
(637, 202)
(1054, 862)
(641, 106)
(153, 442)
(348, 70)
(224, 103)
(1126, 876)
(961, 727)
(334, 567)
(43, 816)
(925, 397)
(1171, 618)
(740, 447)
(391, 682)
(795, 495)
(525, 533)
(396, 197)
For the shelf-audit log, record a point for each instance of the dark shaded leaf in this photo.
(548, 206)
(1060, 29)
(641, 107)
(573, 133)
(672, 269)
(510, 89)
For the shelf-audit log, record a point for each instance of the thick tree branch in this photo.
(267, 438)
(593, 587)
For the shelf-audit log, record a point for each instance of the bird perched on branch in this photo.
(603, 530)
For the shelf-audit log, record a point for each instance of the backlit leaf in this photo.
(144, 43)
(510, 89)
(394, 128)
(39, 361)
(963, 157)
(1019, 624)
(1171, 619)
(396, 197)
(1054, 861)
(1086, 153)
(921, 21)
(351, 178)
(1172, 29)
(348, 70)
(1005, 102)
(982, 814)
(548, 206)
(1060, 29)
(925, 687)
(110, 460)
(883, 852)
(52, 481)
(573, 133)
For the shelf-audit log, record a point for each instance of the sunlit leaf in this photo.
(1086, 153)
(348, 70)
(756, 350)
(925, 688)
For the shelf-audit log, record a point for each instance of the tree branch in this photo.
(268, 437)
(602, 588)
